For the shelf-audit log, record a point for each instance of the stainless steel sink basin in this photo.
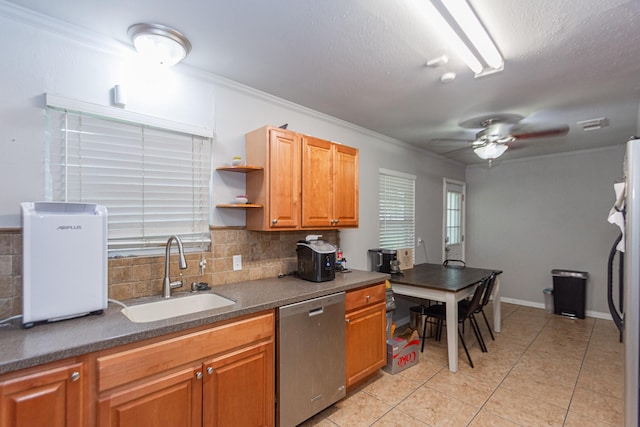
(174, 307)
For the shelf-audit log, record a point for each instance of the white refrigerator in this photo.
(624, 277)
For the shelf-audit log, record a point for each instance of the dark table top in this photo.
(436, 276)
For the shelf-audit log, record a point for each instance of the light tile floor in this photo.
(542, 370)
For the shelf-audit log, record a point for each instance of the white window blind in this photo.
(396, 209)
(154, 182)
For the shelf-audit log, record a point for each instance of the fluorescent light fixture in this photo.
(468, 36)
(160, 44)
(490, 151)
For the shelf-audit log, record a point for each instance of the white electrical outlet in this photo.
(237, 262)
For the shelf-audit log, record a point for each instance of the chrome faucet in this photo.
(168, 284)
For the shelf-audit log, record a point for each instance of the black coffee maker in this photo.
(384, 261)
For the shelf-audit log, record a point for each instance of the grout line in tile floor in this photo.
(533, 374)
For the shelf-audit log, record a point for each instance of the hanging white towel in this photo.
(616, 215)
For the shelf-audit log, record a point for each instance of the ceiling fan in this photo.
(501, 131)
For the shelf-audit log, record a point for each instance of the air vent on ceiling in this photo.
(593, 124)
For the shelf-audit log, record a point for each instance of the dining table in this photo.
(448, 284)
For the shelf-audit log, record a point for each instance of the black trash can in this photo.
(569, 292)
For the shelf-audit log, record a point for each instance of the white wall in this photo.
(239, 110)
(525, 217)
(46, 57)
(528, 217)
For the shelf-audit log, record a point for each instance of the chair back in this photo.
(474, 304)
(491, 280)
(457, 263)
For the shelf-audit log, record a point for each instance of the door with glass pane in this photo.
(453, 223)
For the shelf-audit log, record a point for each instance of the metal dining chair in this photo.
(491, 280)
(439, 312)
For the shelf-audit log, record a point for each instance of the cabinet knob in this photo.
(274, 221)
(209, 370)
(336, 221)
(347, 321)
(199, 375)
(368, 297)
(75, 376)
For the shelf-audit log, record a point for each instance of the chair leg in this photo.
(465, 347)
(476, 331)
(488, 326)
(424, 334)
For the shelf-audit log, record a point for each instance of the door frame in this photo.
(445, 183)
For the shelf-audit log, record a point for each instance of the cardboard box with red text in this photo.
(402, 352)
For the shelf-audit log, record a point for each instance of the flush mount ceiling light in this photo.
(467, 34)
(160, 44)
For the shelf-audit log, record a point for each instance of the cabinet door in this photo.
(51, 398)
(366, 347)
(239, 388)
(169, 400)
(284, 179)
(346, 196)
(317, 183)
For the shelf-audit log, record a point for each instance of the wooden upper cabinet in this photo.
(329, 184)
(317, 182)
(277, 188)
(345, 184)
(306, 182)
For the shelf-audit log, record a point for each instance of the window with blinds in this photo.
(454, 217)
(153, 182)
(396, 209)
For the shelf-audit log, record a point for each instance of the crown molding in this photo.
(72, 32)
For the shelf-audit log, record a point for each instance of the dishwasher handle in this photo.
(316, 311)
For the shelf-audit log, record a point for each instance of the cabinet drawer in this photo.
(130, 365)
(365, 296)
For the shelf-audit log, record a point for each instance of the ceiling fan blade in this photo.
(540, 133)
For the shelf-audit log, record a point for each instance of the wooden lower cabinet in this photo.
(169, 400)
(239, 388)
(220, 376)
(49, 397)
(365, 333)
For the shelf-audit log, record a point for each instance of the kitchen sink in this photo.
(174, 307)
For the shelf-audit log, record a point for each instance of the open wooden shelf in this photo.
(239, 205)
(241, 169)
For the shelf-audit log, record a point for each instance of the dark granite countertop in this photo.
(23, 348)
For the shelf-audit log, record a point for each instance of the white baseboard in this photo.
(595, 314)
(588, 313)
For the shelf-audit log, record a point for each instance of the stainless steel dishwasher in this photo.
(311, 358)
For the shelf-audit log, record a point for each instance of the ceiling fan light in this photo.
(490, 151)
(159, 44)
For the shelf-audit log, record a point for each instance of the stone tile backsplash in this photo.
(264, 255)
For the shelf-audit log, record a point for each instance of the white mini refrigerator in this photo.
(64, 264)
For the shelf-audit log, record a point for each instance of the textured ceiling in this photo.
(363, 61)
